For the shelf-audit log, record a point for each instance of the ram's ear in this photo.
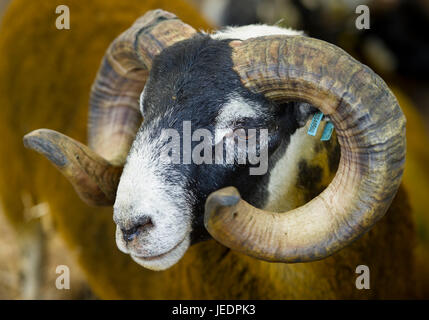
(303, 112)
(94, 178)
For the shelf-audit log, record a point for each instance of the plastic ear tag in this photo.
(327, 131)
(315, 123)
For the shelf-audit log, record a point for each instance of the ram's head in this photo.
(196, 85)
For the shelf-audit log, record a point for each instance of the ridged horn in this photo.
(114, 115)
(370, 127)
(93, 177)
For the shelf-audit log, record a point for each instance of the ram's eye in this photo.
(243, 134)
(240, 130)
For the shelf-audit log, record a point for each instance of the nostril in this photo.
(142, 224)
(130, 234)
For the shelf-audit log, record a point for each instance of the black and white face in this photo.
(194, 92)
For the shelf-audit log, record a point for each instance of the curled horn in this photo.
(114, 115)
(371, 132)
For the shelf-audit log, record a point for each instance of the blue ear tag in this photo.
(327, 131)
(315, 123)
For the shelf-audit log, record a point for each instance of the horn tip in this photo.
(43, 141)
(220, 201)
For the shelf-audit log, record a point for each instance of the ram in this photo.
(165, 215)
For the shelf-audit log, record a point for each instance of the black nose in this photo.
(141, 225)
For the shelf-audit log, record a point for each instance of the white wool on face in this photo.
(284, 175)
(144, 191)
(253, 31)
(234, 109)
(167, 260)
